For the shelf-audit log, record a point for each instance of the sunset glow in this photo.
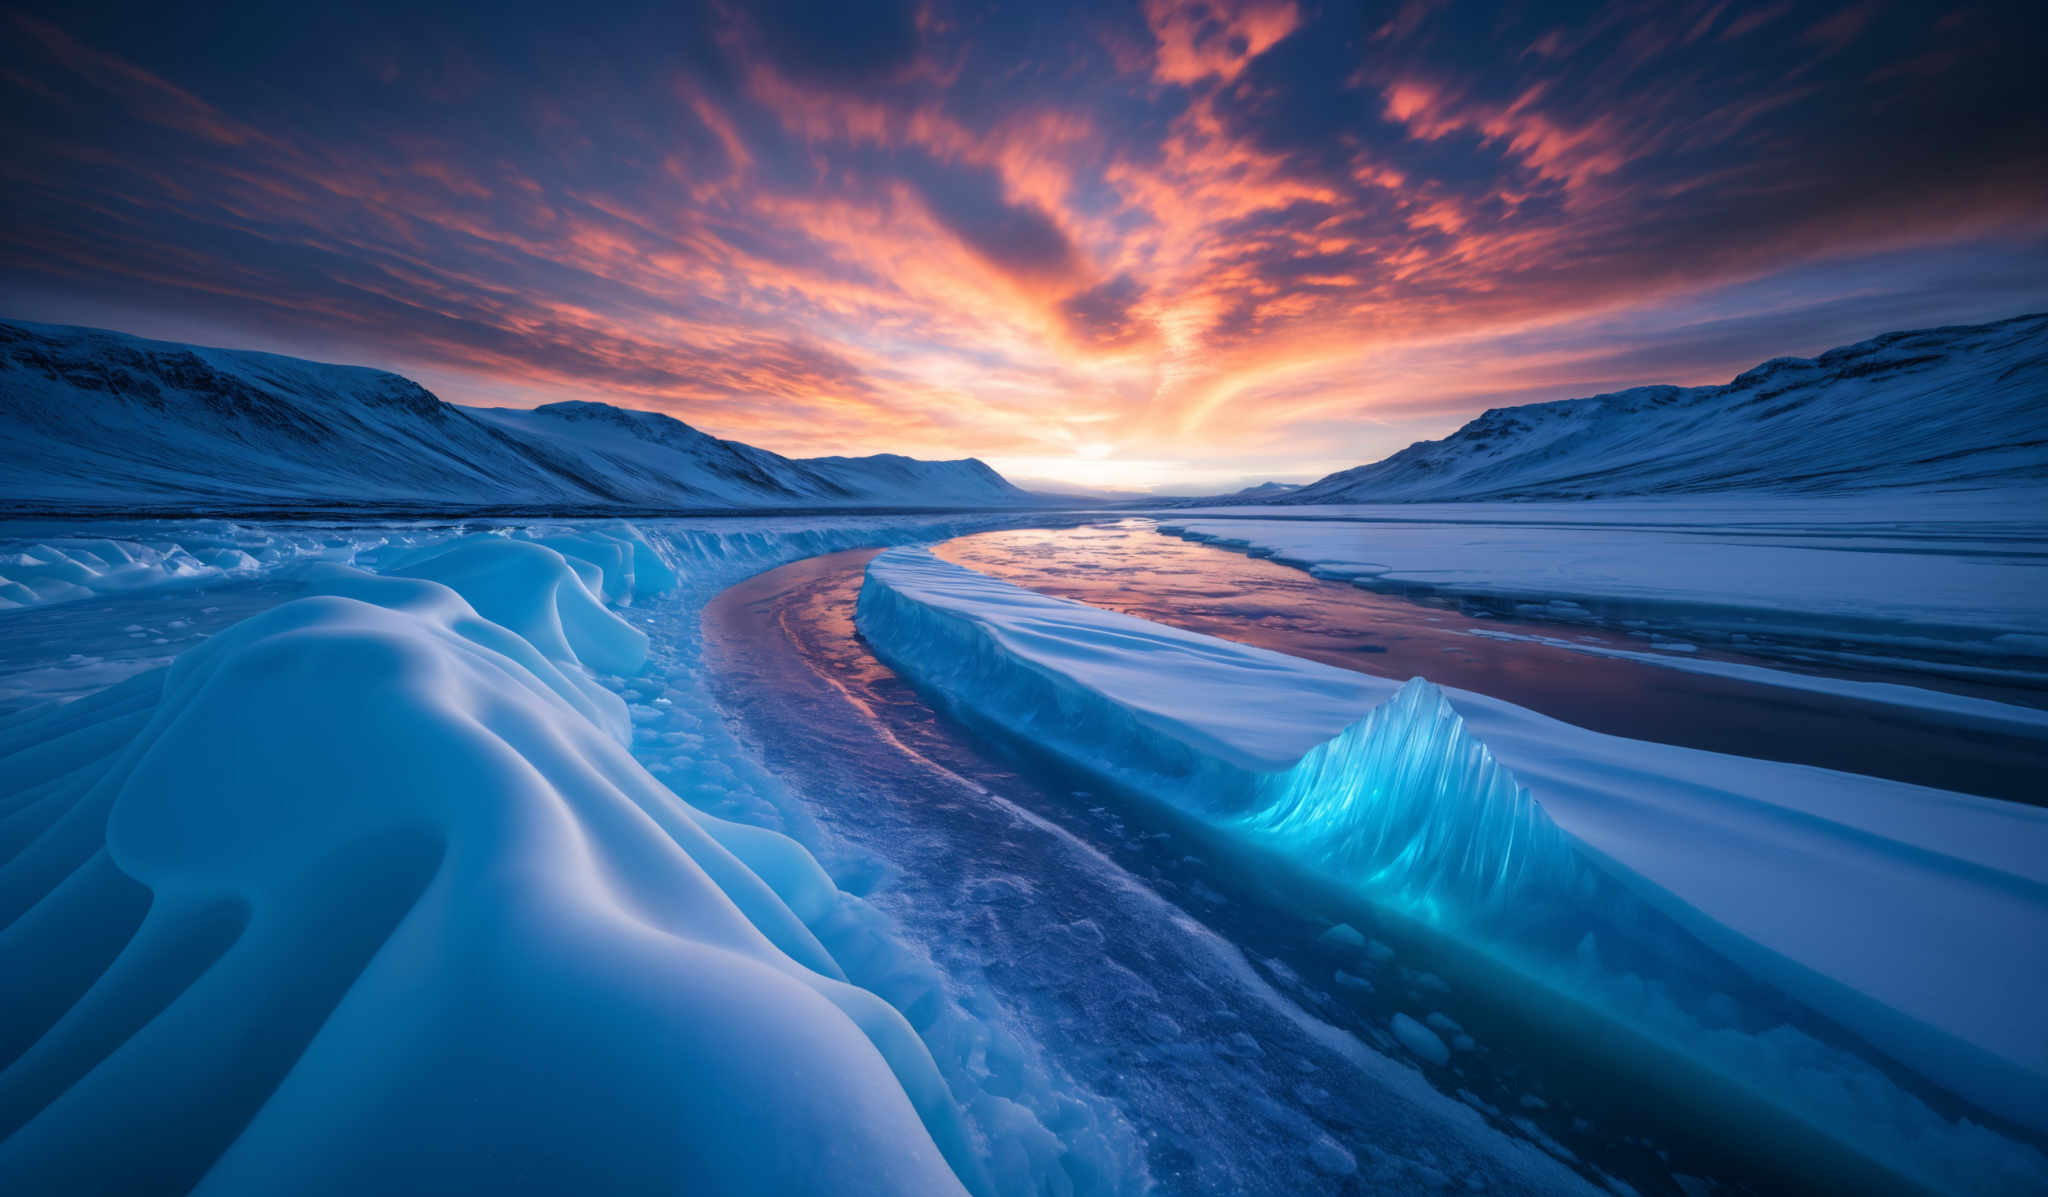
(1166, 245)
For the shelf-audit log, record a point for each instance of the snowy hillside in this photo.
(1264, 492)
(1944, 407)
(100, 419)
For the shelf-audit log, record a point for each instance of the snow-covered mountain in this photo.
(1264, 492)
(90, 418)
(1943, 407)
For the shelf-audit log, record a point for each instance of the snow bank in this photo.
(426, 924)
(1947, 571)
(1957, 710)
(1917, 918)
(1400, 799)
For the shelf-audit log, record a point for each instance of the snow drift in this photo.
(1915, 918)
(96, 419)
(427, 924)
(1941, 407)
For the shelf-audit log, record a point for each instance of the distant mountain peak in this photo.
(1954, 407)
(95, 419)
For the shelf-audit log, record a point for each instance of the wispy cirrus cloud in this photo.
(1272, 237)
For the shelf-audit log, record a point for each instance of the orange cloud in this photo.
(1173, 260)
(1204, 39)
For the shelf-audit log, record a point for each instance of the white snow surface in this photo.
(1964, 569)
(95, 419)
(1942, 407)
(1915, 917)
(429, 924)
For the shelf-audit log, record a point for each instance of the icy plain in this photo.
(468, 785)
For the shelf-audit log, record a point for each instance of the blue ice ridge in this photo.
(1403, 805)
(1409, 803)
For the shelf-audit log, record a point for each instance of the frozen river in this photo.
(1118, 998)
(1641, 691)
(1163, 978)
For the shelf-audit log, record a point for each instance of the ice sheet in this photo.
(1918, 918)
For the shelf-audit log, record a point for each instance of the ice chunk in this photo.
(1420, 1040)
(1332, 1157)
(1407, 801)
(1343, 935)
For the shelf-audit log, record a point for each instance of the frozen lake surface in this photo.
(1566, 670)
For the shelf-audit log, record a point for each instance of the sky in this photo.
(1162, 245)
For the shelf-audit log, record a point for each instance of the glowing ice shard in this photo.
(1409, 802)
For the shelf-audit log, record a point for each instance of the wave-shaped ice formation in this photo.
(613, 557)
(367, 893)
(1408, 802)
(1651, 884)
(64, 568)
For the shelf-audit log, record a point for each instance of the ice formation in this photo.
(1408, 803)
(67, 567)
(1636, 855)
(427, 821)
(427, 922)
(1404, 801)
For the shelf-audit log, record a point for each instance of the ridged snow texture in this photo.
(1409, 801)
(366, 894)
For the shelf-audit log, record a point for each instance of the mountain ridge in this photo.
(1961, 406)
(92, 418)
